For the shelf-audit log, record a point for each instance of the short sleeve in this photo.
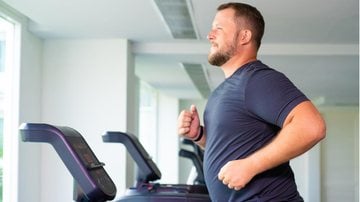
(270, 95)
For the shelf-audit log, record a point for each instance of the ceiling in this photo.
(314, 42)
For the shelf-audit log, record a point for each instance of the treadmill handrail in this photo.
(58, 137)
(197, 163)
(148, 171)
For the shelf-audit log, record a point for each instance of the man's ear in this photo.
(245, 36)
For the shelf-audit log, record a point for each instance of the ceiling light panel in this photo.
(177, 17)
(198, 77)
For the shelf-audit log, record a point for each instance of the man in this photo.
(255, 121)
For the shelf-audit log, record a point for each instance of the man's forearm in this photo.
(300, 133)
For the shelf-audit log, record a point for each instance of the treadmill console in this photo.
(86, 169)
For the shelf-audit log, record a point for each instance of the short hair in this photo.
(252, 17)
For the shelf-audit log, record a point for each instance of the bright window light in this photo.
(9, 88)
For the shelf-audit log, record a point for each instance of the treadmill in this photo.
(91, 181)
(197, 158)
(145, 189)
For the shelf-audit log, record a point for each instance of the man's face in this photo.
(223, 38)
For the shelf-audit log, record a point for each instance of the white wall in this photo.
(168, 139)
(306, 168)
(29, 111)
(340, 155)
(86, 85)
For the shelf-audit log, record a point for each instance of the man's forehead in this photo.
(224, 17)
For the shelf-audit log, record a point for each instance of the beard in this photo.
(221, 56)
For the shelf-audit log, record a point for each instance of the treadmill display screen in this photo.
(94, 167)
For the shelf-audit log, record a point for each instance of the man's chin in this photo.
(212, 53)
(212, 62)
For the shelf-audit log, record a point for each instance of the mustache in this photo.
(214, 44)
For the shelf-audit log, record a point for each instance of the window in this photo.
(8, 114)
(2, 103)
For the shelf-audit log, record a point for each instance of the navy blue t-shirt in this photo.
(242, 115)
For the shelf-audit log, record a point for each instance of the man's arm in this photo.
(302, 129)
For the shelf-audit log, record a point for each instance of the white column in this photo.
(168, 139)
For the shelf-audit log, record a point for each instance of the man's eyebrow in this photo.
(216, 25)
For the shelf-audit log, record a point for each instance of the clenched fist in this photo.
(236, 174)
(189, 123)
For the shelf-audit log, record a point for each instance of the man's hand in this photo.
(189, 123)
(236, 174)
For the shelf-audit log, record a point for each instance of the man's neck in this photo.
(235, 63)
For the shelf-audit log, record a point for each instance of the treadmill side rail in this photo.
(77, 156)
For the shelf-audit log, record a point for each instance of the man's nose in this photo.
(211, 35)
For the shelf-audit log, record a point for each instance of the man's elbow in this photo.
(319, 131)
